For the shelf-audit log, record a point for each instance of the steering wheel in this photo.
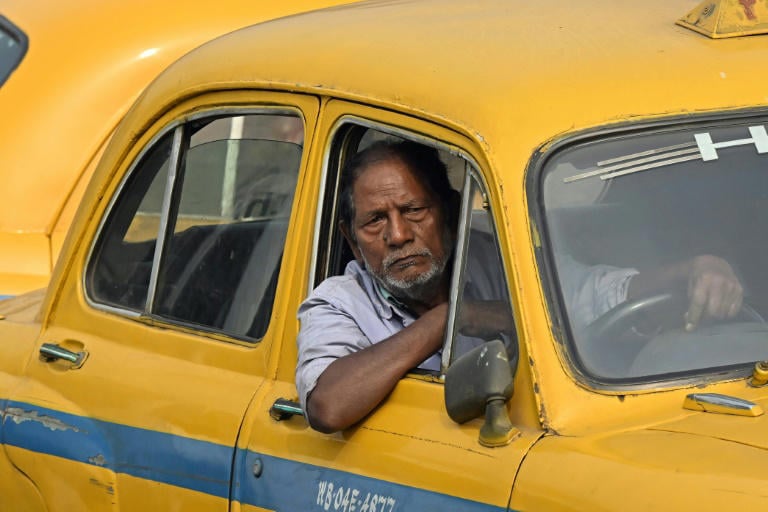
(613, 340)
(627, 315)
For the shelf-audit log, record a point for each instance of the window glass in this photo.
(120, 271)
(13, 46)
(637, 224)
(483, 309)
(227, 219)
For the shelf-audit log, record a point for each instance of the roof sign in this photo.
(728, 18)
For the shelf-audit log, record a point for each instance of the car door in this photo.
(159, 329)
(408, 454)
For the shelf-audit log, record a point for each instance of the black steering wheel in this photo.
(619, 334)
(628, 315)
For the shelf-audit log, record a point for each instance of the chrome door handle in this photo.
(284, 409)
(50, 352)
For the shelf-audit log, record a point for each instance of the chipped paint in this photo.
(19, 416)
(97, 460)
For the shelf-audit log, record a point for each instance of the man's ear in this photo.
(350, 241)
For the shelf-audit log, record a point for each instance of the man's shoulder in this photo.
(350, 288)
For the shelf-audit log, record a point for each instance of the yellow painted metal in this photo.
(527, 77)
(574, 68)
(649, 469)
(728, 18)
(87, 62)
(412, 430)
(138, 374)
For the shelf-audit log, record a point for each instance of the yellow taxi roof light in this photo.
(728, 18)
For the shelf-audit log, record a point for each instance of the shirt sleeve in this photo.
(327, 333)
(591, 290)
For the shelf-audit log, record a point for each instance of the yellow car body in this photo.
(155, 373)
(87, 61)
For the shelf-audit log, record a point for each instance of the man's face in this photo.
(401, 233)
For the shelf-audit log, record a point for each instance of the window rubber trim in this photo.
(21, 39)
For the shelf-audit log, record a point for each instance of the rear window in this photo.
(13, 46)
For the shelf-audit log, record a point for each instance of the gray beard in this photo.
(422, 288)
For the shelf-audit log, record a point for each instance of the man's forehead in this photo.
(388, 172)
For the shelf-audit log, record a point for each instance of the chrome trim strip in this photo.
(624, 165)
(655, 165)
(174, 163)
(458, 267)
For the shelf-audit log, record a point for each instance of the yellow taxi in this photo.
(68, 73)
(587, 140)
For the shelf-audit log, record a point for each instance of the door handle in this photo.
(284, 409)
(50, 352)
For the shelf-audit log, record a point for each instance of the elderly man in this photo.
(363, 331)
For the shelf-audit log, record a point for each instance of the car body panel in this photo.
(186, 422)
(639, 470)
(87, 63)
(576, 72)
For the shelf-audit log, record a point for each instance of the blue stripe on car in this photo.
(264, 481)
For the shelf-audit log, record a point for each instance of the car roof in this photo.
(87, 62)
(510, 74)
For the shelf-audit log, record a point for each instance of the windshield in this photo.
(13, 46)
(658, 246)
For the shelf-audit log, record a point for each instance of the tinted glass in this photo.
(220, 267)
(120, 271)
(222, 217)
(483, 310)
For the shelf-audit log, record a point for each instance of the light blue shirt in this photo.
(343, 315)
(347, 313)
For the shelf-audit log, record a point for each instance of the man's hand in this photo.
(485, 319)
(713, 289)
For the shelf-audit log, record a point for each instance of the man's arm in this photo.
(353, 385)
(712, 286)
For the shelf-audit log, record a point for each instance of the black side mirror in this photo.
(479, 383)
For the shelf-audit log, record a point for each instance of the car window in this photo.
(483, 311)
(478, 289)
(619, 208)
(196, 235)
(13, 47)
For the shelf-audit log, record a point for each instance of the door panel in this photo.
(406, 455)
(149, 418)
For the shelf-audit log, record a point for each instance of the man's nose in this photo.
(399, 231)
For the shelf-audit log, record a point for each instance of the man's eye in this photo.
(415, 212)
(376, 219)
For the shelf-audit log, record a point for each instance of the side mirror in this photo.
(479, 383)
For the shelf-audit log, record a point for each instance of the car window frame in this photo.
(327, 234)
(554, 301)
(177, 127)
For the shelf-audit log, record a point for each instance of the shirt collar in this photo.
(385, 303)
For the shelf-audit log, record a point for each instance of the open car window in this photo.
(620, 207)
(196, 235)
(478, 283)
(13, 47)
